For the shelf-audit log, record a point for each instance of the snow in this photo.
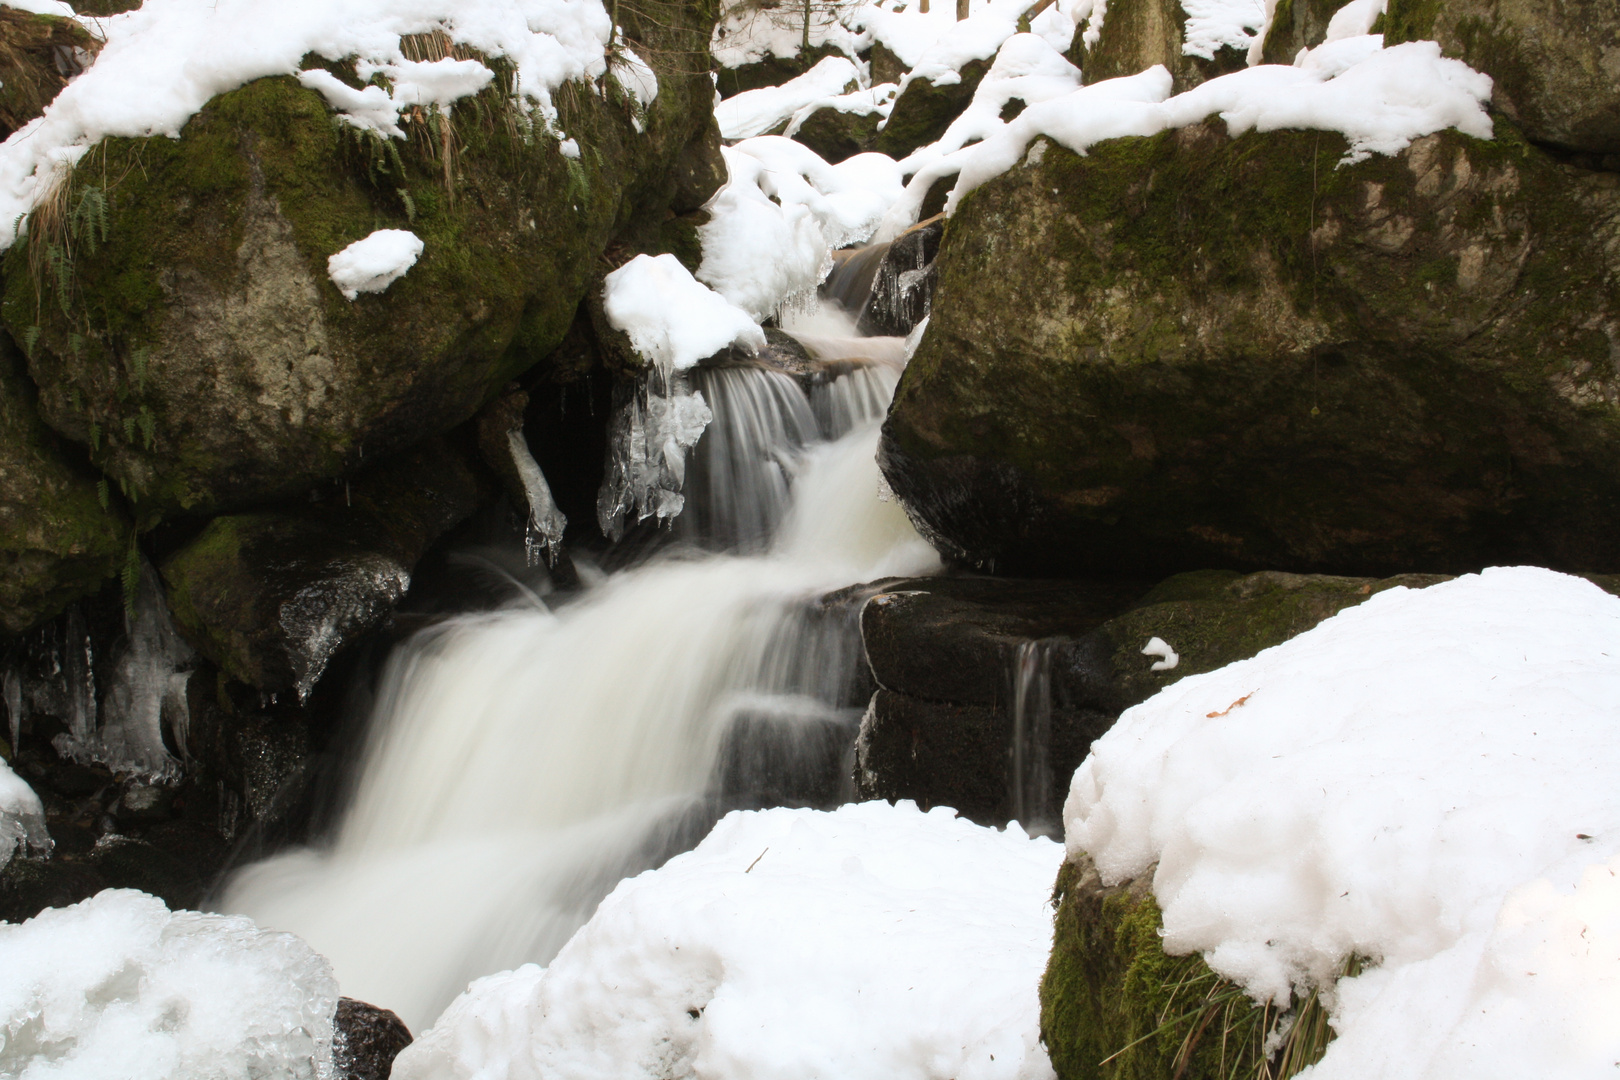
(1168, 658)
(756, 112)
(874, 941)
(22, 817)
(782, 212)
(42, 7)
(1380, 99)
(375, 262)
(1427, 781)
(748, 34)
(119, 986)
(672, 319)
(164, 61)
(1213, 25)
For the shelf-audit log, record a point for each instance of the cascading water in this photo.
(521, 762)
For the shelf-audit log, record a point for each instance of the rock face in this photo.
(195, 344)
(57, 541)
(1191, 350)
(271, 597)
(1296, 25)
(38, 54)
(991, 690)
(1136, 34)
(365, 1041)
(923, 110)
(1556, 65)
(836, 136)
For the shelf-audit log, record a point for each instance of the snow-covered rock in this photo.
(373, 263)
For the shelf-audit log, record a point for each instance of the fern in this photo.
(95, 436)
(130, 577)
(88, 222)
(137, 364)
(30, 339)
(103, 495)
(410, 206)
(76, 343)
(148, 424)
(129, 431)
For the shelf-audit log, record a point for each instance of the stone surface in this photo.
(1556, 65)
(203, 356)
(57, 541)
(38, 54)
(958, 659)
(836, 136)
(1296, 25)
(365, 1041)
(1191, 350)
(923, 110)
(1136, 34)
(271, 597)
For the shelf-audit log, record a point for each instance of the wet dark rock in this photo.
(1137, 34)
(902, 289)
(271, 597)
(923, 110)
(365, 1041)
(957, 660)
(57, 541)
(1165, 366)
(1554, 65)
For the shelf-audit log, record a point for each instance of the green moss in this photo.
(1411, 20)
(923, 111)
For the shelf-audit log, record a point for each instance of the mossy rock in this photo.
(1137, 34)
(1296, 25)
(1556, 65)
(1115, 1006)
(1193, 351)
(271, 597)
(771, 70)
(34, 51)
(836, 135)
(924, 110)
(58, 541)
(194, 342)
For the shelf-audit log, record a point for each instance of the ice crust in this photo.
(1425, 781)
(119, 986)
(375, 262)
(165, 60)
(22, 817)
(874, 941)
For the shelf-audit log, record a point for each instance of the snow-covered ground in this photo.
(1426, 781)
(873, 941)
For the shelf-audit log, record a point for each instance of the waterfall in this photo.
(1030, 777)
(521, 762)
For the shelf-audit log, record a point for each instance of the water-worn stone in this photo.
(200, 351)
(956, 659)
(1556, 65)
(1192, 350)
(924, 110)
(57, 541)
(365, 1041)
(270, 597)
(1137, 34)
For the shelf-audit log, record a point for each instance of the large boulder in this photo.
(272, 596)
(58, 539)
(1556, 65)
(1137, 34)
(991, 690)
(1192, 350)
(925, 109)
(191, 338)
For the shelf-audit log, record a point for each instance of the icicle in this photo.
(14, 704)
(22, 818)
(546, 523)
(652, 429)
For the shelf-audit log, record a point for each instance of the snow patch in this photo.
(1426, 780)
(874, 941)
(1213, 25)
(375, 262)
(756, 112)
(672, 319)
(119, 986)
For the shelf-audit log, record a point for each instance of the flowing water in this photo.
(521, 762)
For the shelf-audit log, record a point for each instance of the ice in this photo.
(118, 986)
(162, 62)
(375, 262)
(655, 423)
(671, 318)
(1425, 781)
(546, 522)
(783, 210)
(1213, 25)
(874, 941)
(22, 818)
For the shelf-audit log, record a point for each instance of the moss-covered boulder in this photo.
(1193, 350)
(1115, 1006)
(1296, 25)
(924, 110)
(60, 537)
(836, 135)
(177, 312)
(1556, 65)
(271, 597)
(1137, 34)
(38, 54)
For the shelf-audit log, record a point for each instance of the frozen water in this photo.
(22, 818)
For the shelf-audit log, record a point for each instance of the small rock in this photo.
(365, 1041)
